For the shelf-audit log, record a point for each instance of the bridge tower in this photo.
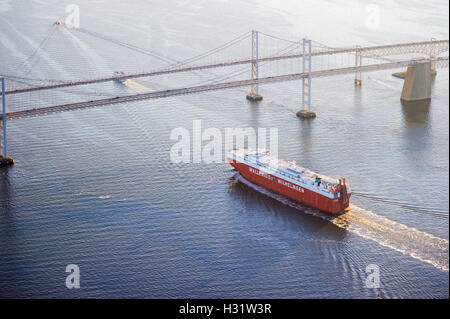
(254, 94)
(306, 81)
(433, 53)
(5, 160)
(358, 63)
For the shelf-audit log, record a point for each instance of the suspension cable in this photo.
(276, 38)
(215, 50)
(243, 70)
(41, 45)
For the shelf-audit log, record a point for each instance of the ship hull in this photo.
(293, 191)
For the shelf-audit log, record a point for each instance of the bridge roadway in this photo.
(440, 62)
(426, 47)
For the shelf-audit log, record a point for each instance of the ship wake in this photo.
(369, 225)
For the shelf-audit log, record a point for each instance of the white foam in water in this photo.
(136, 87)
(367, 224)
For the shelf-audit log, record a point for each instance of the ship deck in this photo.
(284, 169)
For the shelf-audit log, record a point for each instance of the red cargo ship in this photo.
(286, 178)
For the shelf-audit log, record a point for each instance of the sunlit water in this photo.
(97, 188)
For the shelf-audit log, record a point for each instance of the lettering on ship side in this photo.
(280, 181)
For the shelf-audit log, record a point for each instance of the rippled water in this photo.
(97, 188)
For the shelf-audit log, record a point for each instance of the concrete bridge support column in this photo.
(417, 85)
(5, 160)
(254, 94)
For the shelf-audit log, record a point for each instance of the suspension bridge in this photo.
(296, 60)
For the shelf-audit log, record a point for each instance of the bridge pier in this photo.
(5, 160)
(306, 112)
(417, 85)
(254, 95)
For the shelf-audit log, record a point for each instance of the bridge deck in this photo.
(440, 62)
(424, 47)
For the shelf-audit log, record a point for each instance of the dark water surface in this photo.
(97, 188)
